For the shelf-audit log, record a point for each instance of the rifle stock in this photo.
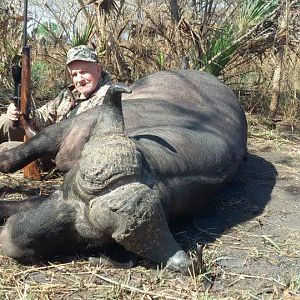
(30, 171)
(25, 86)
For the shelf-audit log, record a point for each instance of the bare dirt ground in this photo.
(251, 233)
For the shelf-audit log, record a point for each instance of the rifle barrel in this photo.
(25, 23)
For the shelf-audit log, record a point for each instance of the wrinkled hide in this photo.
(133, 166)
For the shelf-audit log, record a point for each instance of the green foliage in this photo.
(39, 70)
(227, 38)
(39, 76)
(45, 29)
(82, 37)
(161, 60)
(225, 42)
(253, 11)
(222, 44)
(44, 86)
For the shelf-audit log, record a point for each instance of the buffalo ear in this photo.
(114, 92)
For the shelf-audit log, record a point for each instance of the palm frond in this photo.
(82, 37)
(228, 40)
(253, 11)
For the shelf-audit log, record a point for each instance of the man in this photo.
(90, 84)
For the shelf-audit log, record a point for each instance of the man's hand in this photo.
(12, 112)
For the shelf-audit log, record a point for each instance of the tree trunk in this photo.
(277, 76)
(174, 11)
(275, 93)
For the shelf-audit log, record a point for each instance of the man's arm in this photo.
(52, 112)
(41, 117)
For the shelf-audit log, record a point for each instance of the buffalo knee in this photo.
(133, 215)
(9, 247)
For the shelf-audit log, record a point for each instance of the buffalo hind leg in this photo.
(133, 215)
(41, 231)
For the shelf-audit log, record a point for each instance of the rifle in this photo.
(16, 74)
(31, 170)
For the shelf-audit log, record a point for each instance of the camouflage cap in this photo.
(82, 52)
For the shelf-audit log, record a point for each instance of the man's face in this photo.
(85, 76)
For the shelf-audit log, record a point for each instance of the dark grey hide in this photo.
(184, 137)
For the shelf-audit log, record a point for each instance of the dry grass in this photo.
(255, 259)
(77, 280)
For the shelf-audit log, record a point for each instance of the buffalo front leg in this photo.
(11, 207)
(133, 215)
(41, 231)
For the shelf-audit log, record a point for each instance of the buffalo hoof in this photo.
(180, 262)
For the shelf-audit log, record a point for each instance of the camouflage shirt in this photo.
(69, 103)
